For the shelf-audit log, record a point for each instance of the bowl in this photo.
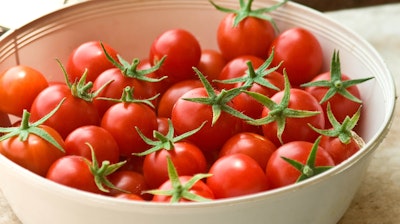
(130, 26)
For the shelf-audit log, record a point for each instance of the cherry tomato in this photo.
(236, 175)
(254, 145)
(187, 158)
(129, 181)
(199, 188)
(211, 64)
(4, 120)
(35, 154)
(183, 52)
(89, 56)
(337, 150)
(281, 173)
(73, 171)
(173, 93)
(19, 85)
(301, 54)
(251, 36)
(122, 118)
(73, 113)
(103, 143)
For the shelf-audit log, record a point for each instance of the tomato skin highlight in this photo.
(252, 36)
(34, 154)
(280, 173)
(19, 86)
(300, 53)
(236, 175)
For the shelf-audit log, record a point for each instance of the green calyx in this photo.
(100, 173)
(278, 112)
(245, 11)
(26, 128)
(255, 76)
(131, 71)
(164, 142)
(81, 88)
(308, 169)
(343, 131)
(180, 190)
(218, 102)
(336, 85)
(127, 97)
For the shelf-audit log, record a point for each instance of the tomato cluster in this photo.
(186, 123)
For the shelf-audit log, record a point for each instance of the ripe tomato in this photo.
(211, 63)
(254, 145)
(199, 189)
(122, 118)
(251, 36)
(338, 150)
(183, 52)
(237, 67)
(281, 173)
(129, 181)
(187, 116)
(187, 158)
(103, 143)
(173, 93)
(73, 171)
(301, 54)
(236, 175)
(35, 153)
(19, 85)
(73, 113)
(4, 120)
(89, 56)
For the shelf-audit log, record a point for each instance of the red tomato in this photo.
(122, 118)
(251, 144)
(187, 116)
(252, 36)
(236, 175)
(162, 125)
(73, 113)
(34, 154)
(301, 54)
(211, 64)
(173, 93)
(73, 171)
(183, 52)
(295, 128)
(103, 143)
(4, 120)
(237, 67)
(199, 188)
(89, 56)
(340, 105)
(337, 150)
(19, 85)
(280, 173)
(187, 158)
(129, 181)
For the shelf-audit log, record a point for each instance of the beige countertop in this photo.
(378, 199)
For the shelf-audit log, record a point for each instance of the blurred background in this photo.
(330, 5)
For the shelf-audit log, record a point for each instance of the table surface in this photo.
(378, 199)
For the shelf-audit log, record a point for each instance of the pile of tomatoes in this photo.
(186, 123)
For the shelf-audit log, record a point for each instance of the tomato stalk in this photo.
(343, 131)
(278, 112)
(255, 75)
(180, 191)
(245, 11)
(308, 169)
(131, 71)
(127, 97)
(336, 85)
(100, 173)
(26, 128)
(164, 141)
(218, 102)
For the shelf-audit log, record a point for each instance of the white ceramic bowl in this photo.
(130, 26)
